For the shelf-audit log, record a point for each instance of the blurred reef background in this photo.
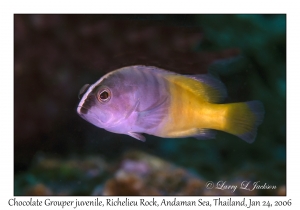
(58, 153)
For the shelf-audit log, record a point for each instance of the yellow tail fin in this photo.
(243, 119)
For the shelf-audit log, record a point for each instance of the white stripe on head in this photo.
(92, 87)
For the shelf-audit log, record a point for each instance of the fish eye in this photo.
(104, 95)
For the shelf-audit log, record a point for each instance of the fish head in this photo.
(107, 102)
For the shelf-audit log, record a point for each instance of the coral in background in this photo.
(135, 173)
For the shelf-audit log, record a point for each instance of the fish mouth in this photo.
(81, 110)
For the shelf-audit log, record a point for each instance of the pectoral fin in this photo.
(134, 108)
(137, 136)
(153, 115)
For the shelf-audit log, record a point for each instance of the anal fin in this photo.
(137, 136)
(198, 133)
(205, 134)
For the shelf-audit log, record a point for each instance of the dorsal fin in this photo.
(208, 87)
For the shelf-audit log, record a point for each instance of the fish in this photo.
(137, 100)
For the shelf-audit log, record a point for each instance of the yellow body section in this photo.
(190, 110)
